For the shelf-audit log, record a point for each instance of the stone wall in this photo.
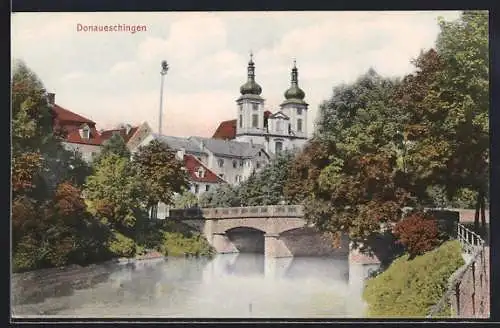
(309, 242)
(471, 297)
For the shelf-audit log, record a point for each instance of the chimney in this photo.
(180, 153)
(51, 98)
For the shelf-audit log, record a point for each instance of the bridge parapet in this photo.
(220, 213)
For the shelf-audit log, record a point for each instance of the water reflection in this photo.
(229, 285)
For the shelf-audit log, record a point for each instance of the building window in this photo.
(207, 187)
(279, 126)
(241, 121)
(201, 172)
(278, 147)
(299, 111)
(260, 154)
(299, 125)
(241, 107)
(220, 161)
(258, 165)
(255, 106)
(235, 164)
(241, 163)
(196, 188)
(255, 120)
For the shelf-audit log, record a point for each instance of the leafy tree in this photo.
(304, 171)
(161, 173)
(186, 199)
(266, 186)
(356, 184)
(115, 192)
(448, 101)
(224, 196)
(114, 145)
(32, 117)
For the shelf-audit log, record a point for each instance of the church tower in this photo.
(295, 108)
(250, 109)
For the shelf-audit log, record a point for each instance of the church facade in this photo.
(286, 129)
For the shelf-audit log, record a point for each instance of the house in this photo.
(232, 161)
(201, 177)
(79, 133)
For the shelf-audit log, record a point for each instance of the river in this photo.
(226, 286)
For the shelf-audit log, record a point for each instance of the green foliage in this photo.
(265, 187)
(115, 192)
(408, 288)
(350, 169)
(186, 199)
(121, 245)
(178, 244)
(114, 145)
(448, 103)
(31, 114)
(224, 196)
(464, 198)
(160, 172)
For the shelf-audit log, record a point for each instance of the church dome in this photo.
(251, 87)
(294, 92)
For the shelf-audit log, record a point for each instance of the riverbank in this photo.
(152, 240)
(409, 287)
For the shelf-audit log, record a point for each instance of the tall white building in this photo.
(284, 130)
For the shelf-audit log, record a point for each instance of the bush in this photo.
(409, 288)
(26, 256)
(121, 245)
(418, 233)
(177, 244)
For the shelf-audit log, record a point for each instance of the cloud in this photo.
(73, 76)
(122, 67)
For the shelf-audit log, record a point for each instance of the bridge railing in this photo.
(467, 293)
(238, 212)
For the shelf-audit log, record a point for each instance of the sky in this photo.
(114, 77)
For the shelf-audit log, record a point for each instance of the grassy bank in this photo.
(167, 238)
(408, 288)
(174, 239)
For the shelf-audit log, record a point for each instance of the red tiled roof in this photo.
(192, 164)
(64, 115)
(226, 130)
(70, 123)
(74, 137)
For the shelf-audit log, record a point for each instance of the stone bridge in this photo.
(276, 231)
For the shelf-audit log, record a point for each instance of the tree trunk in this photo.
(476, 214)
(483, 210)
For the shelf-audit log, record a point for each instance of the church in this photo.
(286, 129)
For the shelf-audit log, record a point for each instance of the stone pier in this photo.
(275, 247)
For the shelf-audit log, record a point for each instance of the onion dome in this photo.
(251, 87)
(294, 92)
